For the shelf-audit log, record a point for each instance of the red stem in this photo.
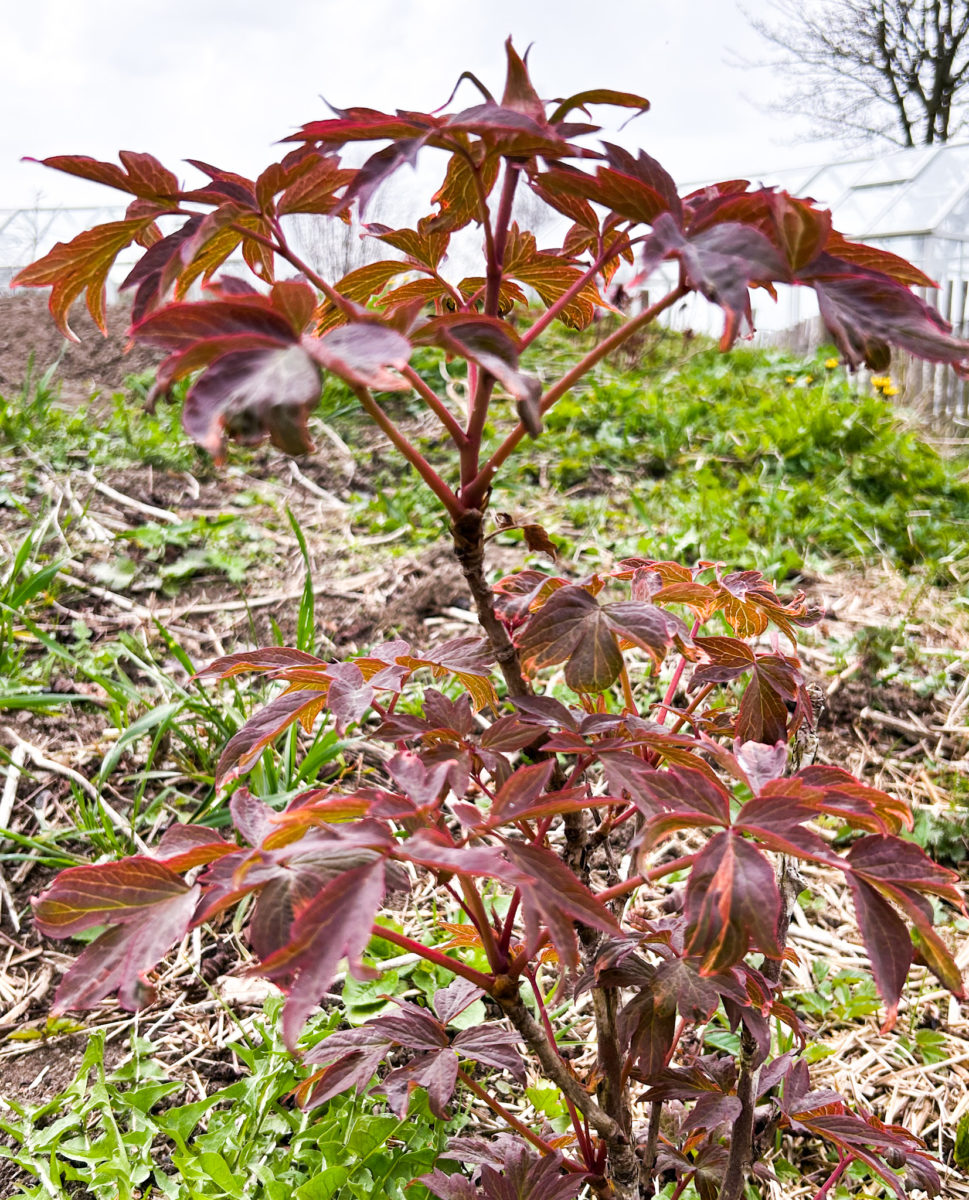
(437, 406)
(677, 676)
(577, 1123)
(553, 310)
(411, 453)
(485, 982)
(281, 247)
(482, 481)
(539, 1144)
(835, 1175)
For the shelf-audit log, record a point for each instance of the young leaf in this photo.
(148, 907)
(572, 627)
(336, 924)
(81, 265)
(731, 904)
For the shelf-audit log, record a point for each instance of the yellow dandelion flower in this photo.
(830, 363)
(891, 390)
(881, 381)
(791, 379)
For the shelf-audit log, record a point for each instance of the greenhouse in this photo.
(913, 202)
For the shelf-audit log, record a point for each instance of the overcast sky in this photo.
(221, 80)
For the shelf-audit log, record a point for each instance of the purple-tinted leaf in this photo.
(598, 96)
(432, 848)
(451, 1001)
(552, 896)
(424, 786)
(722, 659)
(647, 1026)
(679, 984)
(185, 846)
(731, 904)
(572, 627)
(493, 346)
(866, 314)
(251, 816)
(887, 942)
(437, 1072)
(711, 1111)
(106, 893)
(81, 265)
(763, 715)
(493, 1047)
(411, 1026)
(353, 1070)
(120, 957)
(268, 658)
(335, 925)
(148, 276)
(843, 796)
(894, 863)
(247, 394)
(521, 790)
(509, 733)
(776, 821)
(528, 1177)
(449, 1187)
(360, 353)
(349, 694)
(453, 716)
(468, 659)
(264, 727)
(761, 763)
(149, 907)
(685, 798)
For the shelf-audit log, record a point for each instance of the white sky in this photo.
(222, 80)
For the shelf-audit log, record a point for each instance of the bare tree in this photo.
(894, 70)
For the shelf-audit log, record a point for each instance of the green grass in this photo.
(117, 1134)
(754, 458)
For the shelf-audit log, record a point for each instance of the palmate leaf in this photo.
(882, 869)
(249, 394)
(526, 1176)
(721, 262)
(141, 175)
(458, 198)
(825, 1114)
(243, 748)
(335, 925)
(81, 265)
(732, 903)
(867, 314)
(148, 908)
(572, 627)
(551, 276)
(553, 898)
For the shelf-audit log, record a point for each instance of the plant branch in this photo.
(437, 406)
(485, 982)
(410, 452)
(282, 247)
(553, 310)
(742, 1136)
(552, 1064)
(475, 908)
(539, 1144)
(496, 259)
(482, 480)
(467, 533)
(577, 1124)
